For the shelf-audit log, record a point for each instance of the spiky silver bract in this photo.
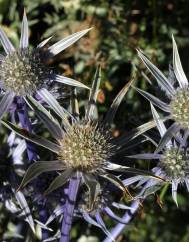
(24, 71)
(175, 87)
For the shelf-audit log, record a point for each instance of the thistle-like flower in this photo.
(177, 93)
(24, 71)
(173, 160)
(85, 148)
(82, 145)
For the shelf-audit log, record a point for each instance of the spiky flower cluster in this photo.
(175, 163)
(180, 107)
(86, 147)
(23, 71)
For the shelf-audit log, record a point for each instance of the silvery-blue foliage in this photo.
(81, 175)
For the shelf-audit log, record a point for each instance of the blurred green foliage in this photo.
(120, 26)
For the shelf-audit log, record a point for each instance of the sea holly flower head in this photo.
(176, 88)
(86, 147)
(24, 71)
(172, 159)
(179, 107)
(175, 163)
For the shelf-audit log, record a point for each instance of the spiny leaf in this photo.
(113, 109)
(32, 137)
(47, 119)
(38, 168)
(93, 94)
(66, 42)
(117, 182)
(59, 181)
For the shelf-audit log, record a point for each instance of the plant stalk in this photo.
(69, 207)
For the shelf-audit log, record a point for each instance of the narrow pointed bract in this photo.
(52, 102)
(7, 45)
(32, 137)
(93, 94)
(25, 209)
(38, 168)
(125, 138)
(161, 79)
(178, 70)
(6, 102)
(24, 33)
(170, 133)
(66, 42)
(162, 105)
(113, 109)
(69, 81)
(177, 94)
(44, 42)
(59, 181)
(46, 118)
(160, 125)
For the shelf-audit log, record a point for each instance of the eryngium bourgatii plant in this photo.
(84, 147)
(24, 71)
(172, 157)
(177, 93)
